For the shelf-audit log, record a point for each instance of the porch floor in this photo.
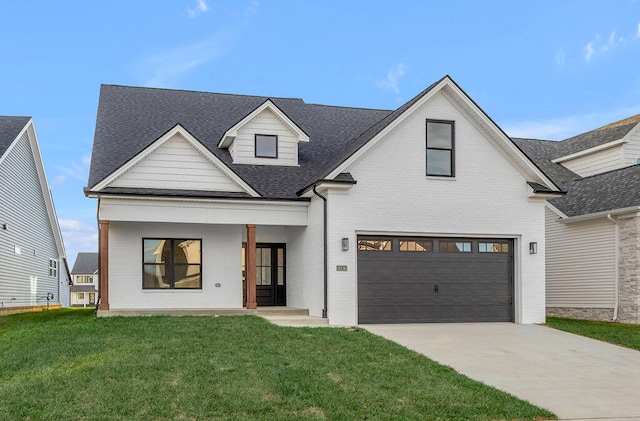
(261, 311)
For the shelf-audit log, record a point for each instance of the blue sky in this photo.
(541, 69)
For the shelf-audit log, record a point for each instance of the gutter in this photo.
(324, 199)
(617, 270)
(596, 215)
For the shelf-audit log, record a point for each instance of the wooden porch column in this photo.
(103, 263)
(251, 267)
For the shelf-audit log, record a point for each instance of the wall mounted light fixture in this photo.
(345, 244)
(533, 248)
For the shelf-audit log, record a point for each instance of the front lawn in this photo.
(616, 333)
(67, 364)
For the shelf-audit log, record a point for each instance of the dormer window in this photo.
(266, 146)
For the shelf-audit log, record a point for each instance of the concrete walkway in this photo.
(575, 377)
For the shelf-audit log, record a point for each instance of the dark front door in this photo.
(270, 275)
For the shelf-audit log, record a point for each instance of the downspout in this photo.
(324, 199)
(99, 271)
(617, 259)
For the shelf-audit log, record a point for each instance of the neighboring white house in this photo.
(428, 213)
(84, 275)
(593, 233)
(33, 269)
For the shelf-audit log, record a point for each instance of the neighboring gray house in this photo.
(593, 232)
(33, 271)
(427, 213)
(84, 276)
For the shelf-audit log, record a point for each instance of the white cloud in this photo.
(638, 31)
(78, 236)
(164, 68)
(588, 51)
(612, 38)
(201, 7)
(390, 82)
(75, 170)
(566, 127)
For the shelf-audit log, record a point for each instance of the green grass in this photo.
(616, 333)
(67, 364)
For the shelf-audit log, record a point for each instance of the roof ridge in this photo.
(199, 92)
(349, 107)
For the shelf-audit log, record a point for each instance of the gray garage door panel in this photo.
(417, 287)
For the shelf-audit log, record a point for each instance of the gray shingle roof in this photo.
(591, 139)
(83, 288)
(131, 118)
(608, 191)
(10, 127)
(541, 152)
(617, 189)
(85, 264)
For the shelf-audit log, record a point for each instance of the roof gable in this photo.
(468, 107)
(18, 127)
(192, 167)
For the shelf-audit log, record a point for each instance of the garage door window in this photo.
(493, 247)
(455, 246)
(416, 245)
(374, 244)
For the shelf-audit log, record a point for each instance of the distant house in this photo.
(426, 213)
(593, 232)
(84, 275)
(33, 270)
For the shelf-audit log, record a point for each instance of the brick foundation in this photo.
(597, 314)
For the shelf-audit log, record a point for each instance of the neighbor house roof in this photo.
(612, 190)
(10, 127)
(83, 288)
(85, 264)
(608, 191)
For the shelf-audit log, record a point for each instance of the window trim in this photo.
(452, 123)
(54, 267)
(255, 145)
(172, 264)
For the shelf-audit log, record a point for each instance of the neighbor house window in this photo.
(416, 245)
(377, 244)
(266, 146)
(455, 246)
(171, 264)
(493, 247)
(84, 279)
(440, 141)
(53, 268)
(81, 296)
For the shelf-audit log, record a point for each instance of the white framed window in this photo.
(53, 268)
(84, 279)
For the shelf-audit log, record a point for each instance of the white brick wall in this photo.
(488, 197)
(221, 263)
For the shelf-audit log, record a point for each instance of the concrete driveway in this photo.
(573, 376)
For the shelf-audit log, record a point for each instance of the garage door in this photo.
(419, 280)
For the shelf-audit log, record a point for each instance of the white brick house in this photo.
(84, 276)
(213, 201)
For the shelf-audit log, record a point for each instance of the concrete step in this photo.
(280, 311)
(296, 321)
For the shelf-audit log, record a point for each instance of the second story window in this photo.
(440, 142)
(53, 268)
(266, 146)
(84, 279)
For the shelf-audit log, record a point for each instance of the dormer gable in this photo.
(266, 136)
